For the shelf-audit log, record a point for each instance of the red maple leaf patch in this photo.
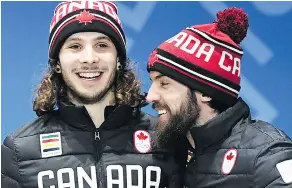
(142, 136)
(85, 17)
(230, 156)
(153, 58)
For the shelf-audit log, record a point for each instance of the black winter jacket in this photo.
(233, 151)
(64, 149)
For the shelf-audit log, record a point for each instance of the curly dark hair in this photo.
(52, 89)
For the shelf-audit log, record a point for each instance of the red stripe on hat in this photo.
(196, 78)
(186, 45)
(118, 32)
(212, 29)
(56, 36)
(65, 8)
(74, 19)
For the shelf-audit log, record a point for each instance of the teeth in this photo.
(160, 112)
(89, 75)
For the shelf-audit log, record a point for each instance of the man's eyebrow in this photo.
(103, 38)
(157, 77)
(97, 38)
(74, 39)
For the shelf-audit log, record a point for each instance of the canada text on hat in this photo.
(86, 16)
(67, 7)
(206, 57)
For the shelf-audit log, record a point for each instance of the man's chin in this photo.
(88, 97)
(169, 131)
(163, 134)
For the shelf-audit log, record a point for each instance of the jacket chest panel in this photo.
(82, 161)
(234, 166)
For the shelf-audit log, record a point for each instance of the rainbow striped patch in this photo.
(51, 144)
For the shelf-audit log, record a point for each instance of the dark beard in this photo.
(170, 134)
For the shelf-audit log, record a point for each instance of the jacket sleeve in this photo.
(9, 166)
(273, 167)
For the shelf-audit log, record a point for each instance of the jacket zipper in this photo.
(99, 166)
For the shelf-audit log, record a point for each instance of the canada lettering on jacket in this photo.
(190, 44)
(65, 8)
(150, 172)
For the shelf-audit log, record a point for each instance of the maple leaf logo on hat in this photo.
(85, 17)
(153, 58)
(217, 73)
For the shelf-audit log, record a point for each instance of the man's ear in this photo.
(58, 68)
(204, 98)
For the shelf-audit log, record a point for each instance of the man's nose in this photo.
(89, 56)
(152, 95)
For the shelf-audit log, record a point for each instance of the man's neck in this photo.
(96, 110)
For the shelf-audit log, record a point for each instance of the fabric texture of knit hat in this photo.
(206, 57)
(72, 17)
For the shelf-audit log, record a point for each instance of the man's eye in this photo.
(102, 45)
(75, 46)
(163, 83)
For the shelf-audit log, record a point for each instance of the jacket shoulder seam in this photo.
(263, 132)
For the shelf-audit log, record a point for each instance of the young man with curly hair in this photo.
(90, 131)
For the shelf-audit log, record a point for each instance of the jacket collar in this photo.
(77, 116)
(218, 128)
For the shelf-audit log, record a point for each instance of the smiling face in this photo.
(88, 65)
(176, 105)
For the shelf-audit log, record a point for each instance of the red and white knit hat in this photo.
(86, 16)
(206, 57)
